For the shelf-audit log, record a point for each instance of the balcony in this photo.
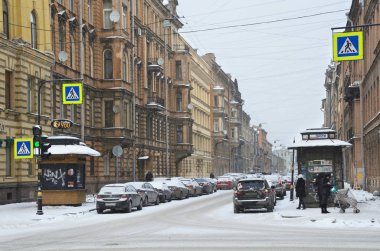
(156, 103)
(219, 111)
(154, 65)
(184, 149)
(235, 121)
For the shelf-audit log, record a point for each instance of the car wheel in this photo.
(281, 197)
(140, 206)
(270, 209)
(145, 203)
(129, 207)
(181, 196)
(157, 201)
(236, 209)
(100, 211)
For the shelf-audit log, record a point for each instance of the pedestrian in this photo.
(149, 176)
(318, 184)
(325, 193)
(301, 191)
(212, 176)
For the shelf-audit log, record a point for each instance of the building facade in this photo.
(352, 104)
(26, 59)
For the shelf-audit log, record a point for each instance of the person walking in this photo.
(325, 193)
(301, 191)
(149, 176)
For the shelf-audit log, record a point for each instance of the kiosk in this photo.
(319, 153)
(64, 174)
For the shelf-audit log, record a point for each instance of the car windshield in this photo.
(251, 184)
(113, 189)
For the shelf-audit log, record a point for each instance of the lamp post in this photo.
(292, 178)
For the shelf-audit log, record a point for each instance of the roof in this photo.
(320, 143)
(318, 130)
(67, 145)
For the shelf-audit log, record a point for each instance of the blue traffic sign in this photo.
(23, 148)
(348, 46)
(72, 93)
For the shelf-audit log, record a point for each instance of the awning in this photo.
(143, 157)
(73, 149)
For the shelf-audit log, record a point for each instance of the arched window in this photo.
(33, 29)
(5, 19)
(108, 65)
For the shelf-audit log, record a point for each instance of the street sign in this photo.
(23, 148)
(61, 123)
(72, 93)
(348, 46)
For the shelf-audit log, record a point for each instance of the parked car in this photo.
(194, 188)
(147, 192)
(164, 193)
(287, 180)
(205, 184)
(213, 184)
(277, 183)
(224, 182)
(118, 197)
(179, 191)
(253, 193)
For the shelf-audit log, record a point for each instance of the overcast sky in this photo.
(280, 66)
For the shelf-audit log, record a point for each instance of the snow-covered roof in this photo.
(73, 149)
(318, 130)
(68, 145)
(320, 142)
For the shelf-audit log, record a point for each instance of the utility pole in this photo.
(292, 178)
(81, 58)
(166, 24)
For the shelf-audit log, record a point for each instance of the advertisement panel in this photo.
(62, 176)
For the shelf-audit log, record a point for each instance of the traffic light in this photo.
(37, 131)
(45, 145)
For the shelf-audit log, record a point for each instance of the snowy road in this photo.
(202, 223)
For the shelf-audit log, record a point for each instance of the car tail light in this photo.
(239, 192)
(99, 197)
(124, 196)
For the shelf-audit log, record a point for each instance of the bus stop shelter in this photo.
(319, 153)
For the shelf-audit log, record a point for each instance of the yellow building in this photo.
(25, 58)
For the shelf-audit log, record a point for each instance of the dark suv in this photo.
(253, 193)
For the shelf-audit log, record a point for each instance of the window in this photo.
(124, 17)
(125, 66)
(91, 61)
(178, 69)
(5, 19)
(31, 98)
(89, 6)
(71, 5)
(107, 9)
(92, 113)
(149, 127)
(216, 101)
(33, 30)
(127, 114)
(106, 164)
(179, 100)
(8, 89)
(179, 134)
(61, 35)
(8, 157)
(72, 52)
(108, 113)
(108, 67)
(92, 166)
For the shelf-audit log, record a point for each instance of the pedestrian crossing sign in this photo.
(72, 93)
(23, 148)
(348, 46)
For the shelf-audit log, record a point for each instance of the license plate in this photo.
(110, 204)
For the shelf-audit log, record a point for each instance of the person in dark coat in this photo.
(325, 193)
(149, 176)
(301, 191)
(318, 184)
